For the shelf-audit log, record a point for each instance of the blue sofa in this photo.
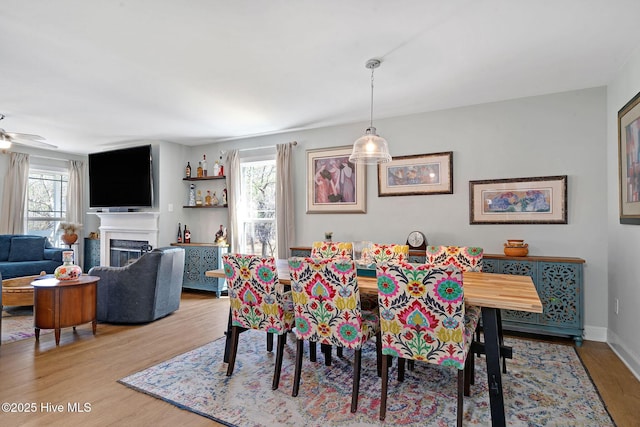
(27, 255)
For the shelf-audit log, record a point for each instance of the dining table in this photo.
(491, 291)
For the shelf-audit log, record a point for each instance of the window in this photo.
(257, 210)
(46, 201)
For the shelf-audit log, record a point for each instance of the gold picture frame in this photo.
(334, 184)
(537, 200)
(629, 161)
(418, 174)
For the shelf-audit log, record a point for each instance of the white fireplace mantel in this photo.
(126, 226)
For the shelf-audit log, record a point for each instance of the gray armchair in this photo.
(142, 291)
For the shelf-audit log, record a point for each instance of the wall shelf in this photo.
(206, 207)
(204, 178)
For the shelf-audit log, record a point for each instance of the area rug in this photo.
(17, 324)
(546, 385)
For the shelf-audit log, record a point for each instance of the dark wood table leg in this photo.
(494, 376)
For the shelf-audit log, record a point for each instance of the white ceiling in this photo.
(91, 74)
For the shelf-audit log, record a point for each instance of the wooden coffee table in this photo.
(64, 303)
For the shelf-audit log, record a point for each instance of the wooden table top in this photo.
(52, 282)
(503, 291)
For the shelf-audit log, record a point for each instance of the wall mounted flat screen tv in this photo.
(121, 178)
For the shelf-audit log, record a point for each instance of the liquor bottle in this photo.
(204, 165)
(179, 233)
(207, 198)
(216, 168)
(199, 198)
(187, 234)
(221, 173)
(199, 170)
(188, 171)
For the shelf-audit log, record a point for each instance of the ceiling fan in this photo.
(8, 138)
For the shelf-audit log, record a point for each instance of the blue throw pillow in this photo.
(26, 249)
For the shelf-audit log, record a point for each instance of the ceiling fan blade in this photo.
(24, 136)
(33, 143)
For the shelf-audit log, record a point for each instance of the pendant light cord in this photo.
(371, 121)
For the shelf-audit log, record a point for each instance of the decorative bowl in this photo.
(516, 250)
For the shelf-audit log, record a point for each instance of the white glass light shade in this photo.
(4, 143)
(370, 149)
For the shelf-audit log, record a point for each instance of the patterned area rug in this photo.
(17, 324)
(546, 385)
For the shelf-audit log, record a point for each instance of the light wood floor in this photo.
(85, 369)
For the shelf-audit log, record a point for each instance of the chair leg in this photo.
(411, 364)
(326, 349)
(379, 353)
(269, 342)
(339, 351)
(279, 353)
(312, 351)
(296, 375)
(469, 367)
(460, 397)
(383, 394)
(401, 369)
(357, 358)
(235, 336)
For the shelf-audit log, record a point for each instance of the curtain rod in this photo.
(294, 143)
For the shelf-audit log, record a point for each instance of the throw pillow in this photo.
(26, 249)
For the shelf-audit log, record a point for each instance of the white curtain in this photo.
(233, 197)
(75, 201)
(14, 197)
(285, 218)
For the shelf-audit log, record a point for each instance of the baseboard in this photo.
(627, 357)
(595, 333)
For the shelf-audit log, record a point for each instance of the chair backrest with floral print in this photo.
(389, 253)
(422, 313)
(466, 258)
(326, 302)
(331, 249)
(258, 300)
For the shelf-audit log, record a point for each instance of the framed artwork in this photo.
(540, 200)
(629, 161)
(419, 174)
(334, 184)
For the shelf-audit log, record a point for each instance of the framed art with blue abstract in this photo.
(537, 200)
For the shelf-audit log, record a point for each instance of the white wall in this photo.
(623, 240)
(558, 134)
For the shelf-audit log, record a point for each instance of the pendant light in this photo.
(370, 148)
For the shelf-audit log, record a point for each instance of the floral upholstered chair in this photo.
(466, 258)
(389, 253)
(423, 317)
(258, 301)
(326, 302)
(331, 249)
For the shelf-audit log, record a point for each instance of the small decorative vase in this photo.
(68, 270)
(69, 239)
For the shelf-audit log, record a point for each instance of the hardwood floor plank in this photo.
(86, 368)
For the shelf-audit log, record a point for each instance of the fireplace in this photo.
(123, 252)
(119, 227)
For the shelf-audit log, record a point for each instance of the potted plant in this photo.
(70, 232)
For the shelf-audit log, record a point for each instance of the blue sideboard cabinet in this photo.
(558, 280)
(199, 258)
(91, 253)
